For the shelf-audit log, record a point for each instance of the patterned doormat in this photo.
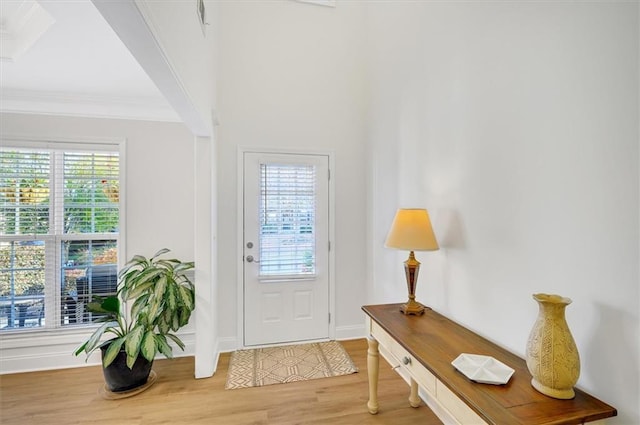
(290, 363)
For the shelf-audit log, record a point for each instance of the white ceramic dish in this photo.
(483, 369)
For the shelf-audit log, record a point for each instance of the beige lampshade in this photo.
(411, 230)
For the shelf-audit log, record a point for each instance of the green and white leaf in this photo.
(177, 340)
(148, 347)
(112, 351)
(94, 339)
(133, 341)
(171, 297)
(186, 297)
(163, 346)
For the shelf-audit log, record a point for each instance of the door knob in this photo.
(250, 259)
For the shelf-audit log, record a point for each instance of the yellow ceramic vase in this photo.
(552, 355)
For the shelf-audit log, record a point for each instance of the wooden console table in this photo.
(424, 347)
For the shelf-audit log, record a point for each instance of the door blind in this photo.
(287, 220)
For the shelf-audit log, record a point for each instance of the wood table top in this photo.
(435, 341)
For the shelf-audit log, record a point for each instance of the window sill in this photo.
(36, 337)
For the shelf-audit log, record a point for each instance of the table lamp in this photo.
(411, 230)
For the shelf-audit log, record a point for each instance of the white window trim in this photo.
(55, 346)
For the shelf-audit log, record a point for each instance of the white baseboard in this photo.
(228, 344)
(351, 332)
(29, 353)
(232, 343)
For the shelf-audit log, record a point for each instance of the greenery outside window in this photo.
(59, 231)
(287, 220)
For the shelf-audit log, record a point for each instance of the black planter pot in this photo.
(119, 377)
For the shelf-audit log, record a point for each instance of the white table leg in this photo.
(414, 399)
(373, 363)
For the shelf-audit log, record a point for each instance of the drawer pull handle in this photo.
(406, 360)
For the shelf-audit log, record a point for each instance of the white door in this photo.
(286, 246)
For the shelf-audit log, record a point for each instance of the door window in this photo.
(287, 220)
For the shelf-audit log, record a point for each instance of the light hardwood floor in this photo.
(71, 396)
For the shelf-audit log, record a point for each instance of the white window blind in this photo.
(287, 220)
(91, 192)
(24, 192)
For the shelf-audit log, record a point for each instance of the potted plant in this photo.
(161, 299)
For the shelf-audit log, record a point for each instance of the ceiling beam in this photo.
(130, 25)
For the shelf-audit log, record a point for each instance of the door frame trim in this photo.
(240, 151)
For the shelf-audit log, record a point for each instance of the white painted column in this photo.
(206, 353)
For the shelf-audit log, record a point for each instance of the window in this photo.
(287, 220)
(59, 224)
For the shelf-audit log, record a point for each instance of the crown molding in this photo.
(113, 107)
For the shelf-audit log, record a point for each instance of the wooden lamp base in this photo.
(412, 307)
(411, 269)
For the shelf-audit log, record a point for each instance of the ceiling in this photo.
(78, 66)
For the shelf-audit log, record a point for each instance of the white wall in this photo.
(159, 213)
(290, 76)
(516, 125)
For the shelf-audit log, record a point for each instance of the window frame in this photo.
(53, 240)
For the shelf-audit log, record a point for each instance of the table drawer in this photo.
(463, 413)
(418, 372)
